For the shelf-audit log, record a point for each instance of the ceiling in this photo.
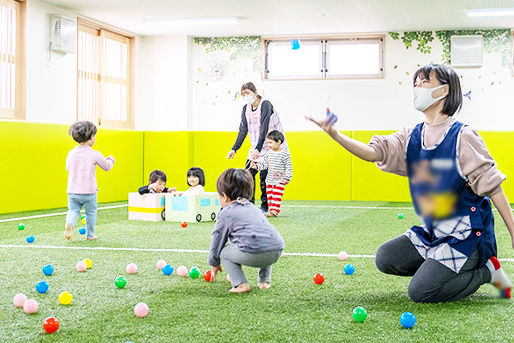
(291, 17)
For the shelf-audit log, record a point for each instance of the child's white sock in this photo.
(499, 278)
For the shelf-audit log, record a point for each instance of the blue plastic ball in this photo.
(408, 319)
(42, 286)
(30, 239)
(82, 230)
(48, 270)
(167, 270)
(349, 269)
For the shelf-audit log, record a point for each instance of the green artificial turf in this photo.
(294, 309)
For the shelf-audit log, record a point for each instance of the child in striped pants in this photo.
(280, 171)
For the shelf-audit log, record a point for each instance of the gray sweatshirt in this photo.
(247, 227)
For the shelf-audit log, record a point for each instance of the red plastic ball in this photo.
(184, 224)
(51, 324)
(319, 278)
(208, 276)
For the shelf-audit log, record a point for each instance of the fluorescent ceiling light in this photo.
(491, 12)
(192, 21)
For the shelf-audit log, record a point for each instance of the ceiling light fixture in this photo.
(192, 21)
(491, 12)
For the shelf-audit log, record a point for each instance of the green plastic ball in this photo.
(120, 282)
(21, 226)
(400, 216)
(360, 314)
(194, 273)
(82, 217)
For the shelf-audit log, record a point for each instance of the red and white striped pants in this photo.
(274, 194)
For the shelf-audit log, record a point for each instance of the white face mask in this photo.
(423, 97)
(249, 99)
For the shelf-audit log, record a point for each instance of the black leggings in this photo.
(264, 199)
(432, 281)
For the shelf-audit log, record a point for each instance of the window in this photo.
(104, 77)
(12, 62)
(335, 58)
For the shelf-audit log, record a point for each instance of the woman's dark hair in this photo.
(250, 86)
(198, 172)
(447, 76)
(276, 136)
(82, 131)
(235, 183)
(157, 175)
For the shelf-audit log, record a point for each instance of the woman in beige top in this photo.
(451, 176)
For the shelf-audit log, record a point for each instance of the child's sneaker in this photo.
(498, 278)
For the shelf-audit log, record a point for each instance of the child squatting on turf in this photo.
(156, 184)
(280, 170)
(253, 240)
(81, 166)
(451, 177)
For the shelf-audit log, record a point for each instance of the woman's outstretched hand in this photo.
(327, 124)
(231, 154)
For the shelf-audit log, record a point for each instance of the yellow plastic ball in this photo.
(89, 263)
(83, 221)
(65, 298)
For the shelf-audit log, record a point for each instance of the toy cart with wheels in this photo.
(148, 206)
(193, 208)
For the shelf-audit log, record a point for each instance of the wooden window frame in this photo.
(19, 112)
(371, 36)
(105, 31)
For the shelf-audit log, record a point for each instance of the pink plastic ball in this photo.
(19, 299)
(141, 310)
(228, 278)
(160, 264)
(131, 268)
(182, 271)
(81, 266)
(343, 255)
(30, 306)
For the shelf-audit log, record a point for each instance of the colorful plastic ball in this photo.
(319, 278)
(48, 270)
(30, 306)
(50, 324)
(81, 266)
(342, 255)
(120, 282)
(182, 271)
(65, 298)
(184, 224)
(160, 264)
(408, 319)
(21, 226)
(83, 217)
(400, 215)
(89, 263)
(141, 310)
(167, 270)
(19, 299)
(131, 268)
(295, 44)
(349, 269)
(42, 287)
(30, 239)
(194, 273)
(83, 221)
(228, 278)
(207, 276)
(82, 230)
(360, 314)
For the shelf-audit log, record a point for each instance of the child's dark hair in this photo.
(82, 131)
(276, 136)
(250, 86)
(447, 76)
(157, 175)
(198, 172)
(235, 183)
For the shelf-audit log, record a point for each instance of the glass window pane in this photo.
(353, 58)
(115, 101)
(284, 62)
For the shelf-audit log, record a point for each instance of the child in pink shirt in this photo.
(81, 165)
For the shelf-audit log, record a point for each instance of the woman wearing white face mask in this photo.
(452, 176)
(257, 119)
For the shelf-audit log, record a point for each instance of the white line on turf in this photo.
(55, 214)
(307, 254)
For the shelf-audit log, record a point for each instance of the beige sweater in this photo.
(474, 159)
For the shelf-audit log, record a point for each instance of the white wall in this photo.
(163, 83)
(51, 86)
